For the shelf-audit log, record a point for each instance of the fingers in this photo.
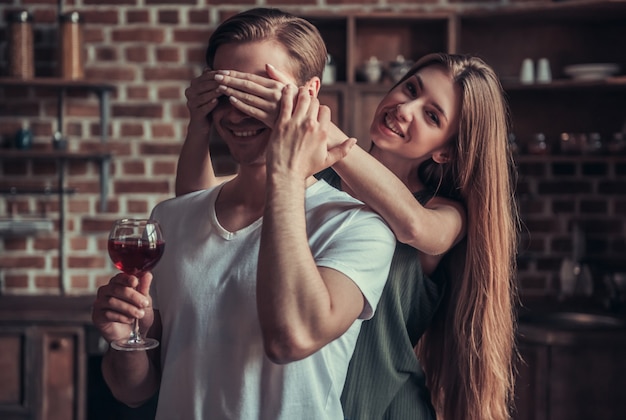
(144, 284)
(335, 154)
(202, 93)
(287, 103)
(255, 95)
(119, 301)
(277, 75)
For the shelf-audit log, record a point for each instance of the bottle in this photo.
(23, 138)
(330, 71)
(71, 51)
(21, 48)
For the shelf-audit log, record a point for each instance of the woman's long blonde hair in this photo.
(469, 351)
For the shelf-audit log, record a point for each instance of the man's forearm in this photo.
(131, 376)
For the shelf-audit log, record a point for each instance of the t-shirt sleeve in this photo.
(361, 249)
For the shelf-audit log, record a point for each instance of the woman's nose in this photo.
(403, 111)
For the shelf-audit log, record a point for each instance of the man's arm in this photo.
(301, 307)
(132, 376)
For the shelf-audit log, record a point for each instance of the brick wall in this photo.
(150, 49)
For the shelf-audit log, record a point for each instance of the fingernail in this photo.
(269, 65)
(218, 77)
(233, 100)
(221, 88)
(141, 313)
(145, 303)
(226, 72)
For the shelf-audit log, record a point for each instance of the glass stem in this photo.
(134, 334)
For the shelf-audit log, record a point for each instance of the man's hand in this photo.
(119, 302)
(299, 141)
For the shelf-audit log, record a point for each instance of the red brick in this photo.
(28, 262)
(141, 186)
(112, 74)
(110, 2)
(106, 54)
(16, 281)
(14, 244)
(168, 55)
(131, 130)
(168, 73)
(164, 168)
(136, 54)
(137, 111)
(100, 16)
(137, 206)
(86, 262)
(166, 149)
(79, 282)
(137, 92)
(199, 16)
(134, 167)
(46, 243)
(138, 16)
(147, 35)
(170, 92)
(168, 17)
(198, 36)
(162, 130)
(47, 282)
(174, 2)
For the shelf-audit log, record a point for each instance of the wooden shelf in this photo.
(57, 83)
(52, 155)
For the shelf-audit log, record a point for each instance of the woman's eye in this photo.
(433, 117)
(410, 87)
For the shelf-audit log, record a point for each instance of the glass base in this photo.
(135, 344)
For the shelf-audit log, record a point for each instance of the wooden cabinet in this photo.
(571, 375)
(43, 372)
(565, 33)
(50, 359)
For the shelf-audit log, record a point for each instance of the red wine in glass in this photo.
(135, 256)
(135, 247)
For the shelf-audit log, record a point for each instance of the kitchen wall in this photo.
(149, 50)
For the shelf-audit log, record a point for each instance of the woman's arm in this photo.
(433, 229)
(195, 169)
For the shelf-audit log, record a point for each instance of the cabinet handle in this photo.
(58, 344)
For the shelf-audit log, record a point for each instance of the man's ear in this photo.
(313, 86)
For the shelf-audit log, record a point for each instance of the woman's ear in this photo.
(313, 86)
(442, 155)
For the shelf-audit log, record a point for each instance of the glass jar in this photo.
(21, 49)
(72, 55)
(538, 145)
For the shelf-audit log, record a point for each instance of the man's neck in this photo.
(242, 199)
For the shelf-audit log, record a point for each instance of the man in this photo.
(265, 279)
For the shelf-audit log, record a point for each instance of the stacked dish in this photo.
(591, 71)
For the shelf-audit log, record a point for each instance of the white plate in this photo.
(591, 71)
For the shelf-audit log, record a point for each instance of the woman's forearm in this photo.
(195, 168)
(432, 230)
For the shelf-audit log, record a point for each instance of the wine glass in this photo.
(135, 246)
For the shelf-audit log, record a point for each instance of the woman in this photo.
(440, 173)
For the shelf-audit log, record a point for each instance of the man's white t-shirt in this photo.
(204, 287)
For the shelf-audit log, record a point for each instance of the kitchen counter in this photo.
(572, 361)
